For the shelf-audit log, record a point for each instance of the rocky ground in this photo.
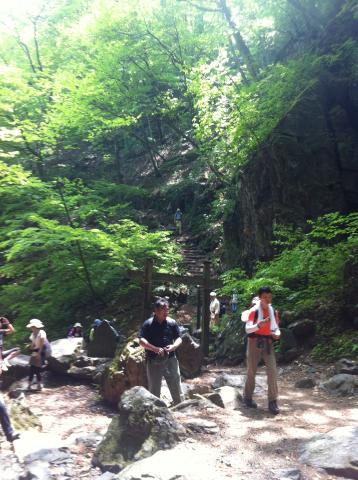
(220, 443)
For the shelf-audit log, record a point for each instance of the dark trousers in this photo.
(35, 371)
(5, 421)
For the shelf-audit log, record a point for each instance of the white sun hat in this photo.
(35, 322)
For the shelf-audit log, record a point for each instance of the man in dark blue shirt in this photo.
(160, 337)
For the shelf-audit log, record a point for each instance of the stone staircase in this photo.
(193, 257)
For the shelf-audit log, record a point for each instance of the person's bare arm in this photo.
(9, 329)
(173, 346)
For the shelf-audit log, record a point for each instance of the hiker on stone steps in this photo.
(160, 337)
(178, 220)
(262, 328)
(37, 347)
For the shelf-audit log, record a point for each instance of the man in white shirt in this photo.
(214, 309)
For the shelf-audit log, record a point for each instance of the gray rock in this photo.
(238, 381)
(193, 405)
(82, 373)
(18, 370)
(340, 385)
(11, 469)
(90, 440)
(50, 455)
(215, 398)
(143, 426)
(335, 451)
(225, 379)
(303, 328)
(104, 343)
(199, 389)
(200, 425)
(287, 317)
(179, 463)
(63, 354)
(127, 370)
(346, 366)
(39, 470)
(190, 357)
(17, 389)
(107, 476)
(305, 383)
(288, 347)
(226, 397)
(288, 474)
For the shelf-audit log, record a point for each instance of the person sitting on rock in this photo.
(160, 337)
(37, 348)
(95, 325)
(262, 328)
(99, 322)
(76, 330)
(5, 422)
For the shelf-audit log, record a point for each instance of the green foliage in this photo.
(53, 268)
(343, 345)
(309, 268)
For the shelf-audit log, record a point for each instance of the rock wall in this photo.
(309, 168)
(309, 165)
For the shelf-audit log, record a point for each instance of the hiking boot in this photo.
(248, 402)
(14, 436)
(273, 407)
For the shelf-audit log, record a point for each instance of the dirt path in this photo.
(250, 445)
(72, 416)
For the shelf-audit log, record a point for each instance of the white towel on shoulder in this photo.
(251, 327)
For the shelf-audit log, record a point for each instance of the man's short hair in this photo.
(160, 303)
(263, 290)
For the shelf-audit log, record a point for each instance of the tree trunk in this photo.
(239, 41)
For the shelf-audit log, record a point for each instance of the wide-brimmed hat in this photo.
(35, 322)
(212, 294)
(78, 324)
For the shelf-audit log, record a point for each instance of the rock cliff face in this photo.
(309, 165)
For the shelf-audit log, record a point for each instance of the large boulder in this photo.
(179, 463)
(340, 385)
(335, 451)
(226, 397)
(143, 426)
(231, 343)
(190, 357)
(288, 346)
(104, 343)
(346, 366)
(19, 369)
(303, 328)
(88, 368)
(238, 381)
(63, 354)
(126, 371)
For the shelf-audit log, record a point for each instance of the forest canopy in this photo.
(113, 113)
